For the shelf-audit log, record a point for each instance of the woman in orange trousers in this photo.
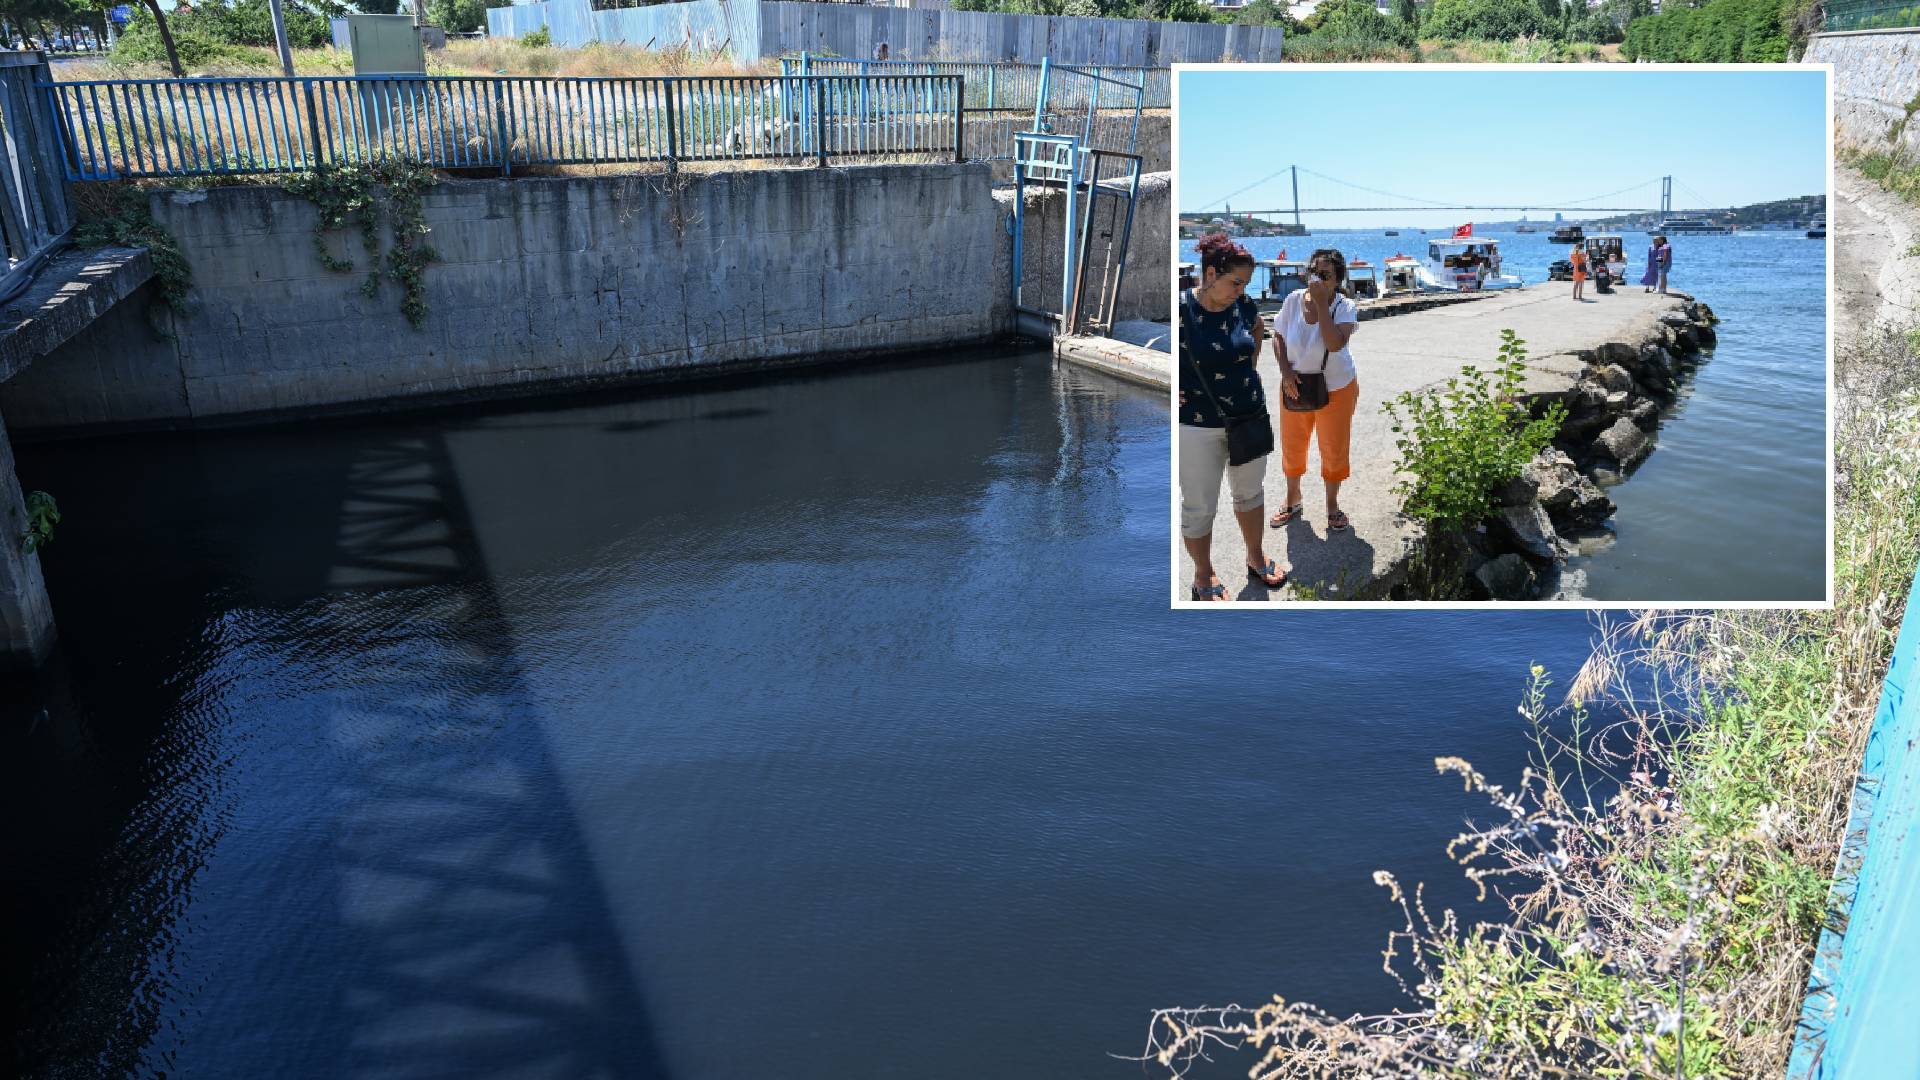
(1311, 335)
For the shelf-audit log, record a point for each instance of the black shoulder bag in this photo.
(1249, 435)
(1310, 387)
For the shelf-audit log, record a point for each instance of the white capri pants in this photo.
(1203, 457)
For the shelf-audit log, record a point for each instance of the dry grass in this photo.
(1666, 876)
(487, 56)
(1526, 50)
(503, 56)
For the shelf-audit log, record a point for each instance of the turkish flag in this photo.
(1463, 231)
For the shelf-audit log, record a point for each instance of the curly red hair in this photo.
(1220, 254)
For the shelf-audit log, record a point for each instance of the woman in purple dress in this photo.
(1656, 262)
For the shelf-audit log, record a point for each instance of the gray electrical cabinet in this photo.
(386, 45)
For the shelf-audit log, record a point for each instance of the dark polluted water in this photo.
(832, 726)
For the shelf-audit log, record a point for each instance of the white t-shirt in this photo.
(1303, 338)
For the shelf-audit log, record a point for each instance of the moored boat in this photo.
(1568, 234)
(1364, 280)
(1464, 263)
(1284, 277)
(1402, 276)
(1608, 248)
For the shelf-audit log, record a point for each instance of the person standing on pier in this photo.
(1666, 261)
(1579, 261)
(1310, 338)
(1659, 257)
(1220, 336)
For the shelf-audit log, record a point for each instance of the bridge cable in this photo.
(1223, 199)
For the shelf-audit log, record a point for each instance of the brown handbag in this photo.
(1310, 386)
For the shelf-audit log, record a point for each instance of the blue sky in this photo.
(1482, 137)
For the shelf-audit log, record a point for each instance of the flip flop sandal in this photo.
(1287, 515)
(1215, 593)
(1343, 522)
(1265, 574)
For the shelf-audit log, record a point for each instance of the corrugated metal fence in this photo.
(772, 28)
(993, 87)
(121, 128)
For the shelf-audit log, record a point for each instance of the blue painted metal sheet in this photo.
(1862, 1013)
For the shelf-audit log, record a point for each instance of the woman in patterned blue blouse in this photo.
(1220, 338)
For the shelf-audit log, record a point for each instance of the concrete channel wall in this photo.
(543, 281)
(1876, 80)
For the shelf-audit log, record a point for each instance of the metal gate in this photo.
(1082, 147)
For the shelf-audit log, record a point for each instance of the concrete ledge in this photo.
(71, 291)
(1149, 367)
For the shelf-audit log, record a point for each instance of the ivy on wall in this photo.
(119, 216)
(354, 194)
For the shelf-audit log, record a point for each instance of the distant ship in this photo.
(1694, 227)
(1568, 234)
(1819, 229)
(1392, 232)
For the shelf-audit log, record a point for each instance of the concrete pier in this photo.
(1410, 351)
(70, 292)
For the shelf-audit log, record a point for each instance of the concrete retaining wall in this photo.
(543, 281)
(1876, 78)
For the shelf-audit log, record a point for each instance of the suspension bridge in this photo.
(1326, 194)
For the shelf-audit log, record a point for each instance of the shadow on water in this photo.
(449, 918)
(288, 770)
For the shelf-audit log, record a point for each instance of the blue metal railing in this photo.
(999, 96)
(124, 128)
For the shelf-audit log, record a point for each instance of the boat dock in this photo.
(1569, 344)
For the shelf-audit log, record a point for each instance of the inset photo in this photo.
(1525, 335)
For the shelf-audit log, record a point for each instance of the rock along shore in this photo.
(1613, 409)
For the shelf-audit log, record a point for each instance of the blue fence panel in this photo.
(115, 129)
(1101, 105)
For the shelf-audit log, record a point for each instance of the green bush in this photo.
(1267, 13)
(1459, 444)
(1357, 20)
(1723, 31)
(233, 33)
(457, 16)
(141, 44)
(1488, 20)
(1595, 27)
(539, 39)
(1324, 49)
